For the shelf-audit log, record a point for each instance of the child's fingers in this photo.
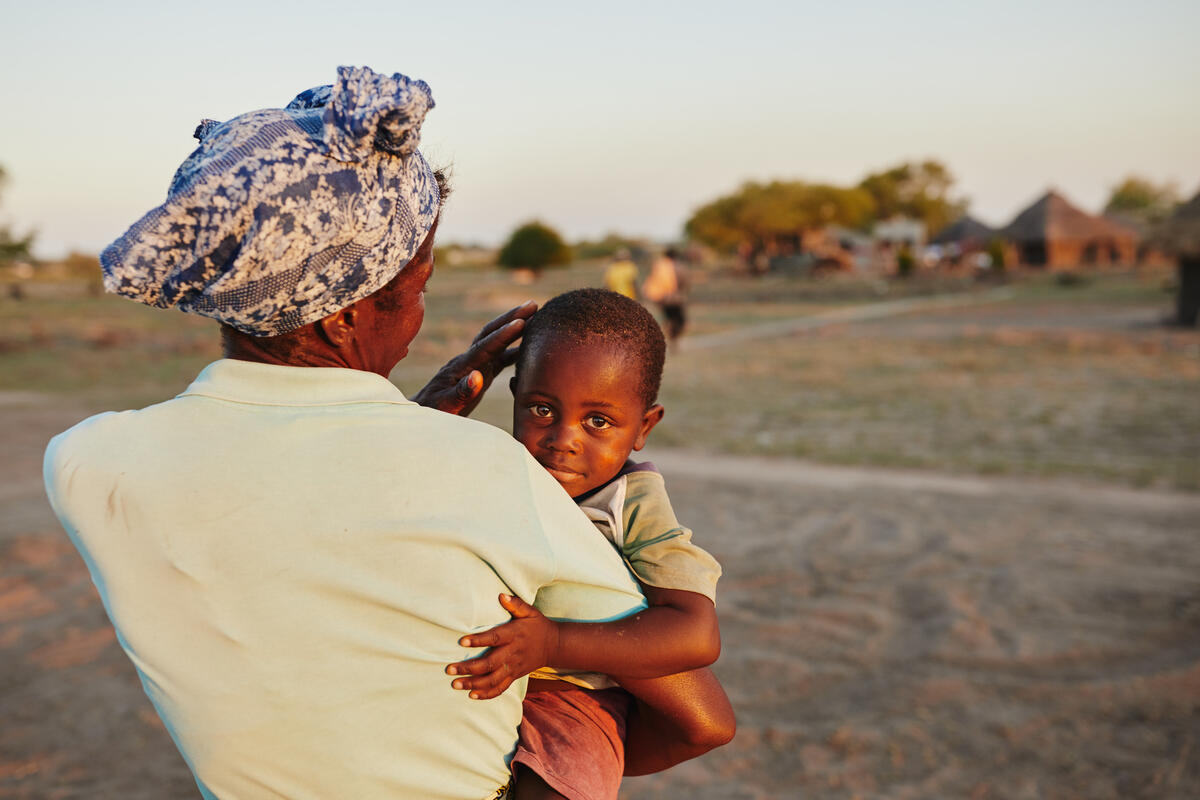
(480, 665)
(463, 668)
(484, 686)
(488, 694)
(518, 607)
(491, 638)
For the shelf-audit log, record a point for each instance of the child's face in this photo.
(577, 411)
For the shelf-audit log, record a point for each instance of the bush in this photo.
(995, 251)
(534, 246)
(606, 247)
(1071, 280)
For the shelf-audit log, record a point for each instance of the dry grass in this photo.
(1016, 388)
(1096, 405)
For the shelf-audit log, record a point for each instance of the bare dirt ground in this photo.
(888, 634)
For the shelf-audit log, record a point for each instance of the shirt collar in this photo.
(271, 384)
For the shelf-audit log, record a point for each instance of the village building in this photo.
(897, 240)
(1150, 251)
(1053, 233)
(811, 251)
(1181, 237)
(899, 232)
(966, 232)
(962, 243)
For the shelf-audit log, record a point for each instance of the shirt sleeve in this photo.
(591, 583)
(660, 550)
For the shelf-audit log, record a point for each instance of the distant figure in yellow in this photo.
(622, 275)
(667, 286)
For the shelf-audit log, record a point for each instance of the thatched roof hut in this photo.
(964, 230)
(1054, 233)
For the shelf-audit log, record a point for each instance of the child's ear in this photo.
(652, 417)
(512, 385)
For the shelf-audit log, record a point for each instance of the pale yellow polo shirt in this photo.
(289, 556)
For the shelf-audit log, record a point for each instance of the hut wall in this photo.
(1149, 255)
(1032, 254)
(1069, 254)
(1063, 254)
(1125, 250)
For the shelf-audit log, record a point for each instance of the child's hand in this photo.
(518, 647)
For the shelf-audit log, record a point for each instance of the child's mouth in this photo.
(562, 474)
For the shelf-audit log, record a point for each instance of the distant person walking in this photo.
(667, 286)
(622, 275)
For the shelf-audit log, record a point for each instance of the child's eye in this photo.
(540, 410)
(598, 422)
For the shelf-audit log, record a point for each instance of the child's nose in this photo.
(562, 438)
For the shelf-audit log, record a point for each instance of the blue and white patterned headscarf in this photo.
(283, 216)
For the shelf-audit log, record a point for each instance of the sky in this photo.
(621, 116)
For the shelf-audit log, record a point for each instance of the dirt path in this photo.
(786, 473)
(887, 634)
(855, 313)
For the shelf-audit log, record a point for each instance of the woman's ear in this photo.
(512, 385)
(652, 417)
(338, 328)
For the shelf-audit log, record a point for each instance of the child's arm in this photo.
(676, 634)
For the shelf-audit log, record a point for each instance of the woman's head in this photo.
(282, 217)
(371, 334)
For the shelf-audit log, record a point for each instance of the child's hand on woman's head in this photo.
(518, 647)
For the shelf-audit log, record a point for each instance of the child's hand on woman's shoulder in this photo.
(518, 647)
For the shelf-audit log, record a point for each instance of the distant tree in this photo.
(86, 268)
(772, 217)
(606, 246)
(919, 190)
(534, 246)
(1143, 200)
(12, 247)
(718, 224)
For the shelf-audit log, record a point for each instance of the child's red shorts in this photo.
(575, 739)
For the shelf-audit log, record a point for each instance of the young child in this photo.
(587, 378)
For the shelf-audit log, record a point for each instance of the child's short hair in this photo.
(587, 315)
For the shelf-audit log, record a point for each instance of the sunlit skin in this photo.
(578, 412)
(397, 312)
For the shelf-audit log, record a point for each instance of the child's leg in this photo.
(532, 787)
(674, 719)
(571, 743)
